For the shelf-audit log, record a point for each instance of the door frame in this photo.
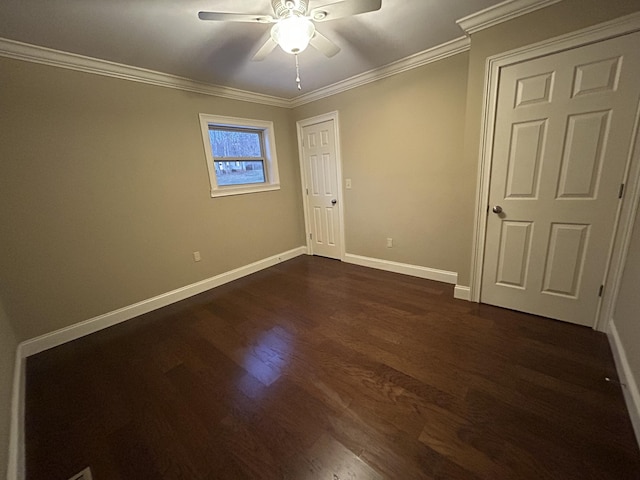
(300, 125)
(625, 214)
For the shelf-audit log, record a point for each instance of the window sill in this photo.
(242, 189)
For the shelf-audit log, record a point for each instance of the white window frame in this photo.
(272, 178)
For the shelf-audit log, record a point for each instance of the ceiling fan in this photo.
(294, 27)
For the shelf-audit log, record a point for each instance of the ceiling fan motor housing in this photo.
(283, 8)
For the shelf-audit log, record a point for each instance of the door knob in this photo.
(334, 201)
(497, 209)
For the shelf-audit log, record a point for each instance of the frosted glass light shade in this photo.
(293, 33)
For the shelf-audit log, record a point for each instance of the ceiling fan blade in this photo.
(234, 17)
(266, 48)
(324, 45)
(331, 11)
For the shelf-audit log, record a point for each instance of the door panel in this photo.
(565, 259)
(527, 144)
(514, 253)
(598, 76)
(583, 150)
(536, 89)
(563, 129)
(321, 176)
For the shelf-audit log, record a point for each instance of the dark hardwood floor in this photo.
(315, 369)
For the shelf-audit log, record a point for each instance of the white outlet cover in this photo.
(83, 475)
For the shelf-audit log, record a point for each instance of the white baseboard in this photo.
(631, 393)
(72, 332)
(462, 293)
(15, 467)
(404, 268)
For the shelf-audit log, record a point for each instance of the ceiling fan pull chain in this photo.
(298, 73)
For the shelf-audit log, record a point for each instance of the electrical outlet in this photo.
(389, 242)
(196, 256)
(83, 475)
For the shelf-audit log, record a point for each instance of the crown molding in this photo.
(473, 23)
(56, 58)
(448, 49)
(501, 12)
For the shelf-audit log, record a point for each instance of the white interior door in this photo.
(322, 188)
(563, 130)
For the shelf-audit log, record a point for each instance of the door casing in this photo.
(300, 125)
(629, 205)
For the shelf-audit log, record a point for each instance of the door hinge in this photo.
(311, 236)
(601, 290)
(307, 191)
(621, 191)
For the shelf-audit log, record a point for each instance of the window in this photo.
(241, 155)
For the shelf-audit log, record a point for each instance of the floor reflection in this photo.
(267, 357)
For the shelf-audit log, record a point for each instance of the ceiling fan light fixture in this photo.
(293, 33)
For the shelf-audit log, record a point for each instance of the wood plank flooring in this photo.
(315, 369)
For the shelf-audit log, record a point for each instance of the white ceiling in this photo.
(167, 36)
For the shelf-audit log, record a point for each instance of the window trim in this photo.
(272, 178)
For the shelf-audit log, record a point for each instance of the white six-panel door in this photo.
(321, 174)
(563, 130)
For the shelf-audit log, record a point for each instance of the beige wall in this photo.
(8, 345)
(104, 195)
(104, 191)
(401, 146)
(553, 21)
(627, 311)
(410, 143)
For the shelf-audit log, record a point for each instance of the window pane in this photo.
(235, 143)
(239, 173)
